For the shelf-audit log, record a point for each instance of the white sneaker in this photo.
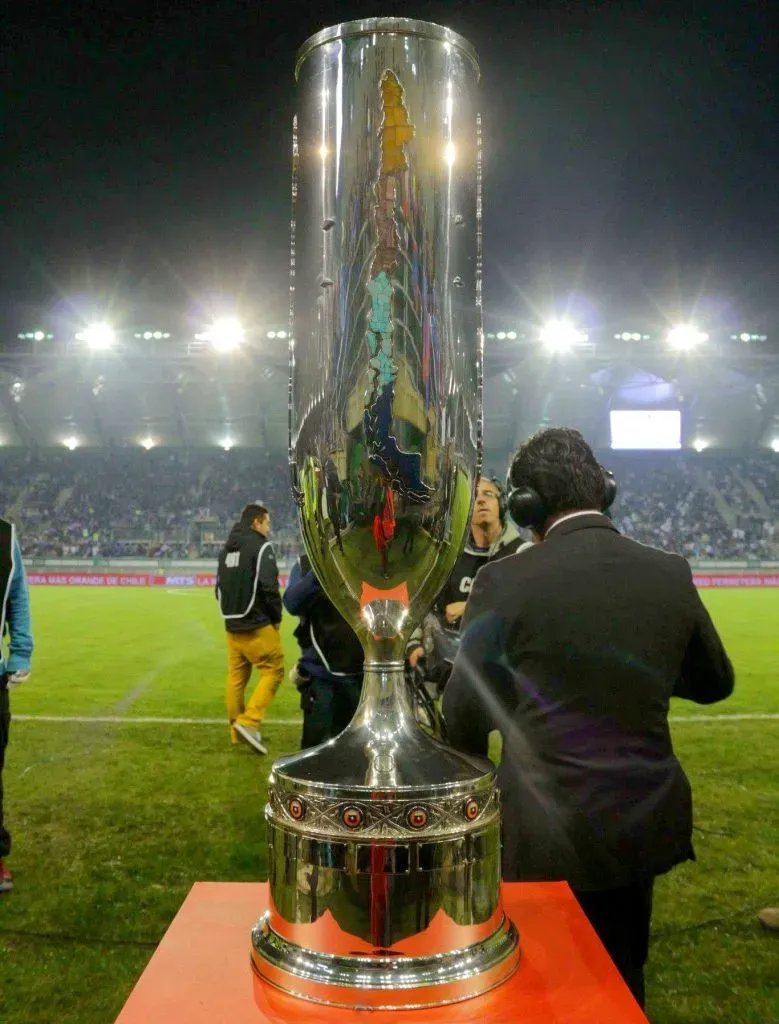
(251, 736)
(6, 879)
(769, 919)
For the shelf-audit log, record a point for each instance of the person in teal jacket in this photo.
(15, 623)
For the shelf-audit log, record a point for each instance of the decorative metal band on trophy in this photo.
(385, 843)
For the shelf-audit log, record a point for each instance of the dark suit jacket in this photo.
(572, 650)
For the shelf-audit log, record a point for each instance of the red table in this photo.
(200, 973)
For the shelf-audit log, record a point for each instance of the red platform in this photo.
(200, 973)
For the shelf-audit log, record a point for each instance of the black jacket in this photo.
(328, 644)
(247, 582)
(458, 586)
(573, 650)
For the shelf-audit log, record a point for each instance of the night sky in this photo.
(632, 156)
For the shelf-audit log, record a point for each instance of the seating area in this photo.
(177, 504)
(157, 504)
(697, 507)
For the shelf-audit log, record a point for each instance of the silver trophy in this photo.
(385, 843)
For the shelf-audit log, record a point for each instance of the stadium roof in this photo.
(177, 387)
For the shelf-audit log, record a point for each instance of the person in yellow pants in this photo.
(247, 588)
(260, 648)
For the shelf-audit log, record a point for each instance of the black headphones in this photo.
(502, 504)
(528, 509)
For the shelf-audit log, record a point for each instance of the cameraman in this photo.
(490, 537)
(329, 672)
(573, 653)
(15, 620)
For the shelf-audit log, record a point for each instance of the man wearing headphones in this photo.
(573, 653)
(490, 536)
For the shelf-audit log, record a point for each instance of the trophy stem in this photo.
(384, 691)
(384, 713)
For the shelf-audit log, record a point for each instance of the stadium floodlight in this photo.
(98, 337)
(699, 444)
(225, 335)
(685, 337)
(746, 338)
(227, 443)
(775, 444)
(147, 442)
(560, 336)
(511, 335)
(501, 335)
(71, 443)
(271, 334)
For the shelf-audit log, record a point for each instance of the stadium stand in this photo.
(708, 515)
(159, 504)
(719, 507)
(174, 504)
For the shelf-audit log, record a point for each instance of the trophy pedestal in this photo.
(199, 974)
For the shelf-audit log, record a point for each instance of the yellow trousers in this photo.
(261, 647)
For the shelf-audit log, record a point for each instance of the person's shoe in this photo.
(6, 879)
(769, 918)
(253, 737)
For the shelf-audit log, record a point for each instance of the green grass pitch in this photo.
(114, 821)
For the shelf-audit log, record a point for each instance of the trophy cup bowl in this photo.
(384, 843)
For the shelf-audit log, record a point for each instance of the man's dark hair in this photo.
(252, 512)
(560, 465)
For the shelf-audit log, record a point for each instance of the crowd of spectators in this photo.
(697, 508)
(169, 504)
(753, 513)
(160, 504)
(669, 500)
(662, 505)
(763, 474)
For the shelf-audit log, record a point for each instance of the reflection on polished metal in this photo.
(384, 843)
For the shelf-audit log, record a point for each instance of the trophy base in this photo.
(385, 982)
(384, 866)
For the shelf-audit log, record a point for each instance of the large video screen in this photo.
(645, 429)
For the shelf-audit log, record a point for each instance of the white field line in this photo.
(723, 718)
(145, 682)
(141, 720)
(138, 720)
